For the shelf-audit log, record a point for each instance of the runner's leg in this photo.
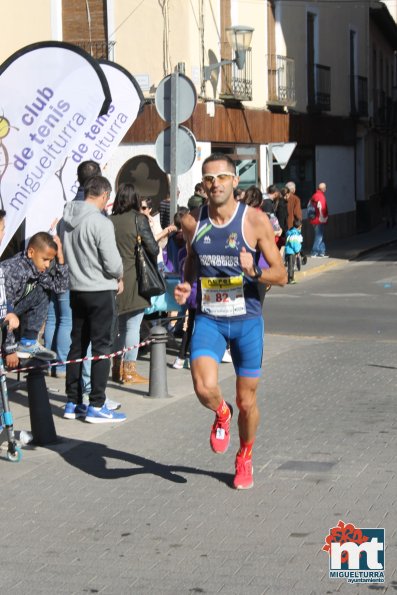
(248, 417)
(205, 379)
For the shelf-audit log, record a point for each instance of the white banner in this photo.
(48, 93)
(102, 136)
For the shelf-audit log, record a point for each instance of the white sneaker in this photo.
(227, 358)
(178, 363)
(111, 405)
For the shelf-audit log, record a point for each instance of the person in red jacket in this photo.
(320, 219)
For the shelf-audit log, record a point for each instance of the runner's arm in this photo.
(189, 223)
(183, 290)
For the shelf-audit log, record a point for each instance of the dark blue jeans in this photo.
(318, 243)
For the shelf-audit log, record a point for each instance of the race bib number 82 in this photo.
(222, 296)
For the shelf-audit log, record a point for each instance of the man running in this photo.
(224, 242)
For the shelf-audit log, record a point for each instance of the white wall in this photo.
(335, 167)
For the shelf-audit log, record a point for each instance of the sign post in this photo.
(282, 152)
(174, 129)
(176, 99)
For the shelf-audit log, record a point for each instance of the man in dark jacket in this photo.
(270, 199)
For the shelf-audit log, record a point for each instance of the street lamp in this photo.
(239, 38)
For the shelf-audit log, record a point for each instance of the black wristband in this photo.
(258, 272)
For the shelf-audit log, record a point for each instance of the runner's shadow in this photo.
(92, 458)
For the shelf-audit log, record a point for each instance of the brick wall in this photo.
(75, 21)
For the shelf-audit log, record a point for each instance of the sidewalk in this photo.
(134, 400)
(342, 250)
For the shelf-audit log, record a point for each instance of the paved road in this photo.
(147, 508)
(352, 299)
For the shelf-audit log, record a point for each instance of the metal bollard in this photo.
(158, 363)
(41, 420)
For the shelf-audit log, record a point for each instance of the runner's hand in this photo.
(247, 262)
(12, 360)
(182, 292)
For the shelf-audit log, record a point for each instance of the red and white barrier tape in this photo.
(93, 358)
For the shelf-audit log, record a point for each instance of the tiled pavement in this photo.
(147, 508)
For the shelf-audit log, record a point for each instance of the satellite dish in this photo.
(214, 76)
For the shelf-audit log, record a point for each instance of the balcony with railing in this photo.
(359, 96)
(237, 84)
(318, 88)
(98, 49)
(281, 81)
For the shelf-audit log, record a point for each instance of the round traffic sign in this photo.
(185, 150)
(186, 98)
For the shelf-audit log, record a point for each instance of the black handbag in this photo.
(150, 281)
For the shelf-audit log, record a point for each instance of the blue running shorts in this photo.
(246, 336)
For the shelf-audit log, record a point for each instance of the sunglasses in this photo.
(222, 177)
(144, 208)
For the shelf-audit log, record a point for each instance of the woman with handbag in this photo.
(133, 236)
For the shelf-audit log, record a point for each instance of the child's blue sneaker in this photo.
(28, 349)
(73, 411)
(102, 415)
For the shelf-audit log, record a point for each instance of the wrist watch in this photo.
(257, 272)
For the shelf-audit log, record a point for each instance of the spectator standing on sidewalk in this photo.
(199, 197)
(59, 318)
(126, 220)
(320, 220)
(294, 204)
(270, 199)
(165, 209)
(293, 246)
(96, 276)
(85, 171)
(253, 197)
(224, 239)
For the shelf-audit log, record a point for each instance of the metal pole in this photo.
(174, 147)
(41, 420)
(158, 387)
(270, 164)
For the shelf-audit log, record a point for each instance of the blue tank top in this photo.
(223, 290)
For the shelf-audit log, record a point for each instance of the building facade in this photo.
(321, 74)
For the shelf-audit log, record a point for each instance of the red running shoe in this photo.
(220, 433)
(243, 480)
